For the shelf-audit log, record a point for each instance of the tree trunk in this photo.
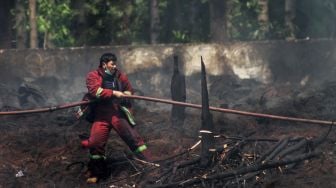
(126, 37)
(20, 23)
(289, 17)
(33, 24)
(155, 22)
(5, 20)
(178, 15)
(217, 21)
(178, 93)
(228, 12)
(171, 20)
(192, 19)
(207, 124)
(47, 42)
(80, 24)
(263, 18)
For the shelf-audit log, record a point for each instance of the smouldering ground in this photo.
(45, 148)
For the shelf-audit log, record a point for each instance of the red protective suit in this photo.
(108, 115)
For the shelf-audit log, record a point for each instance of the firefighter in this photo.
(108, 85)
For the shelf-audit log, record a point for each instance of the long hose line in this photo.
(46, 109)
(230, 111)
(167, 101)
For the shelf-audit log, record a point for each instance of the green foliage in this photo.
(24, 20)
(180, 36)
(140, 21)
(114, 22)
(54, 19)
(243, 19)
(184, 21)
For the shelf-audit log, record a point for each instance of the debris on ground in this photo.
(43, 150)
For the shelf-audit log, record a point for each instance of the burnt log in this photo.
(241, 171)
(178, 93)
(207, 128)
(294, 148)
(283, 143)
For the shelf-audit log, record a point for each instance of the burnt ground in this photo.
(45, 147)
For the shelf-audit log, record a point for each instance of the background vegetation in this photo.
(64, 23)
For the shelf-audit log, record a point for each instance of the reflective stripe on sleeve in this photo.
(129, 115)
(99, 91)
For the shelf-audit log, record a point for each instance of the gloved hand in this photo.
(127, 93)
(125, 101)
(118, 94)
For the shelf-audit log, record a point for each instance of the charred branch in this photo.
(207, 123)
(238, 172)
(178, 93)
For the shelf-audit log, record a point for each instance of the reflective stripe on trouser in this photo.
(96, 157)
(100, 131)
(127, 133)
(141, 149)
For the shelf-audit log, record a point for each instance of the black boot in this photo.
(143, 153)
(98, 169)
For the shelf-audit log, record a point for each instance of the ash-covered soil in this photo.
(43, 150)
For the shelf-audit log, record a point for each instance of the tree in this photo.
(54, 21)
(155, 22)
(6, 22)
(217, 20)
(20, 24)
(228, 17)
(173, 18)
(33, 25)
(289, 18)
(263, 18)
(244, 20)
(197, 21)
(80, 22)
(315, 19)
(126, 34)
(63, 23)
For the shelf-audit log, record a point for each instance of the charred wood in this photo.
(276, 150)
(294, 148)
(207, 124)
(237, 172)
(178, 93)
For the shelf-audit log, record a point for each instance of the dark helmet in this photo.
(106, 57)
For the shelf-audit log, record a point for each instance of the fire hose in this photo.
(167, 101)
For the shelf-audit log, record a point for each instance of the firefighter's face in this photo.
(111, 66)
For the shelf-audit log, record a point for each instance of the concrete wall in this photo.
(60, 73)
